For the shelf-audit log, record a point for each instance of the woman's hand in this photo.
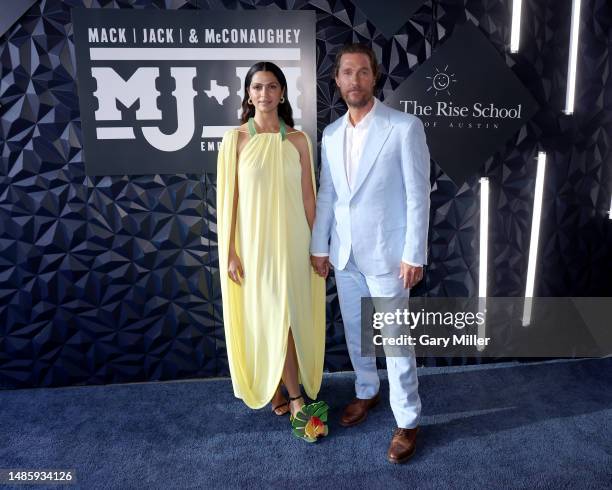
(234, 267)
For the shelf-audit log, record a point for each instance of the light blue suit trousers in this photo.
(404, 397)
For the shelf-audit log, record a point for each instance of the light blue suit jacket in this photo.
(384, 218)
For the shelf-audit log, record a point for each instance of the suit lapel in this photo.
(335, 151)
(377, 135)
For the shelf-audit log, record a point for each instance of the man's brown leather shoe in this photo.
(357, 411)
(403, 445)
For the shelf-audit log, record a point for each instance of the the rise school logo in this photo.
(469, 101)
(157, 94)
(441, 83)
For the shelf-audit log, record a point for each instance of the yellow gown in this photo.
(280, 290)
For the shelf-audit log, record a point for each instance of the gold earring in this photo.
(249, 101)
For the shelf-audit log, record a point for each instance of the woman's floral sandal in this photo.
(310, 423)
(292, 399)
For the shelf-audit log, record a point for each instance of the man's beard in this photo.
(360, 101)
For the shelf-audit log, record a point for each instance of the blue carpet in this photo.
(539, 425)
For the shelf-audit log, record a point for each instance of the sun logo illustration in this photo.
(442, 81)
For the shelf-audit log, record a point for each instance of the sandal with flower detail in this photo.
(310, 423)
(291, 399)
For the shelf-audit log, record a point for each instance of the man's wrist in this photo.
(319, 254)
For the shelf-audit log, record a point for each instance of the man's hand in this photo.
(410, 274)
(320, 265)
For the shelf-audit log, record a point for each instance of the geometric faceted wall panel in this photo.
(115, 279)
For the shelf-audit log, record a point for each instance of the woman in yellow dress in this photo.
(273, 301)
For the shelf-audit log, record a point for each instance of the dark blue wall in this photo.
(115, 279)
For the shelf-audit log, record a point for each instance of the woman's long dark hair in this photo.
(284, 109)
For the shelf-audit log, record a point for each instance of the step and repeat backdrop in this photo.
(111, 117)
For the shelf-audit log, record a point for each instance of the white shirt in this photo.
(354, 137)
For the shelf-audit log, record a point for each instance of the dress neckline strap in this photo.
(251, 126)
(253, 131)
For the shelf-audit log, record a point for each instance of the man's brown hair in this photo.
(357, 48)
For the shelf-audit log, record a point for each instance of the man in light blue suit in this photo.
(371, 225)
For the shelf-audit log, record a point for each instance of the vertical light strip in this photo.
(483, 257)
(515, 34)
(535, 235)
(484, 237)
(573, 57)
(535, 224)
(610, 212)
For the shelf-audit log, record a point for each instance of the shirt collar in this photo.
(365, 122)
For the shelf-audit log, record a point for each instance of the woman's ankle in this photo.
(296, 403)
